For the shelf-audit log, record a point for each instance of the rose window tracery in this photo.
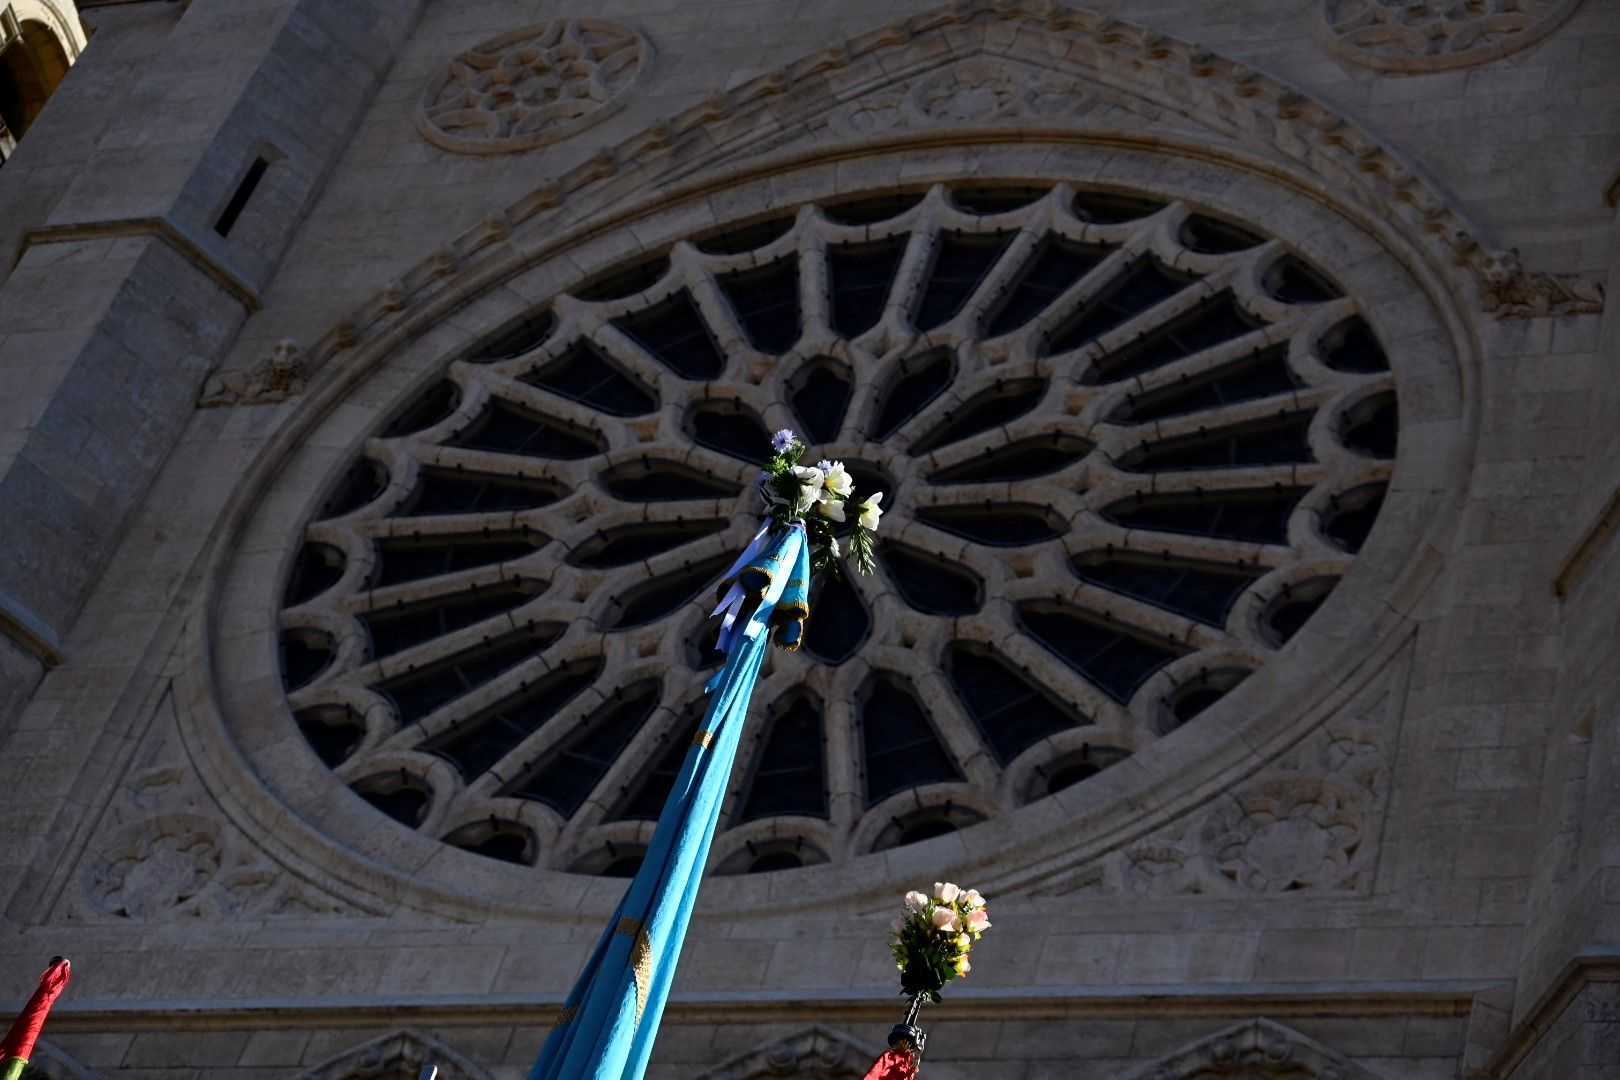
(1129, 446)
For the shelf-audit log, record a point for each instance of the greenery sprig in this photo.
(822, 498)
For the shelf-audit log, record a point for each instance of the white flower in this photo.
(839, 482)
(945, 919)
(870, 511)
(832, 545)
(810, 481)
(832, 509)
(972, 900)
(782, 440)
(809, 477)
(945, 892)
(916, 901)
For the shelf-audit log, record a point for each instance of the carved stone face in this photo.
(1501, 267)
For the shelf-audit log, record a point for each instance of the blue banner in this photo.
(610, 1019)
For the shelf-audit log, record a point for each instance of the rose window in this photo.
(1129, 448)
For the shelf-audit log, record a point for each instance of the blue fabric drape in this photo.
(610, 1018)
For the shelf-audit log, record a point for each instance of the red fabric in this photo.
(893, 1065)
(25, 1029)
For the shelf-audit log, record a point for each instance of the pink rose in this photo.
(945, 892)
(945, 919)
(978, 921)
(971, 899)
(916, 901)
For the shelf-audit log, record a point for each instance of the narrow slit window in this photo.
(239, 200)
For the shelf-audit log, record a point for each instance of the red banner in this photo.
(19, 1042)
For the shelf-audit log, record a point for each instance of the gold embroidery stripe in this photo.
(640, 959)
(704, 739)
(566, 1016)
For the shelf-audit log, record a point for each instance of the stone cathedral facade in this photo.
(382, 384)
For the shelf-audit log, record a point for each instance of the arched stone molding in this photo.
(814, 1053)
(162, 851)
(37, 46)
(1260, 1049)
(1398, 35)
(399, 1056)
(59, 16)
(772, 135)
(1180, 84)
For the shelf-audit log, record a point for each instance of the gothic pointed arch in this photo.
(813, 1053)
(1257, 1049)
(397, 1056)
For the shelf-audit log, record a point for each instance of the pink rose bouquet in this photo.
(933, 936)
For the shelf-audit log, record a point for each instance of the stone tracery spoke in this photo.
(1114, 433)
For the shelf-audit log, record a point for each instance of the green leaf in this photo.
(861, 550)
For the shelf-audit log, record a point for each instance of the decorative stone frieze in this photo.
(1433, 35)
(164, 851)
(1309, 822)
(970, 92)
(533, 86)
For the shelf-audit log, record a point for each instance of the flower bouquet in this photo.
(933, 936)
(820, 497)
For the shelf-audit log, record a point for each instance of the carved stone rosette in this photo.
(1431, 35)
(532, 86)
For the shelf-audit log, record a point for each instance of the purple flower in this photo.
(782, 441)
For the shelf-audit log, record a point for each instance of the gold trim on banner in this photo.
(566, 1016)
(640, 958)
(703, 739)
